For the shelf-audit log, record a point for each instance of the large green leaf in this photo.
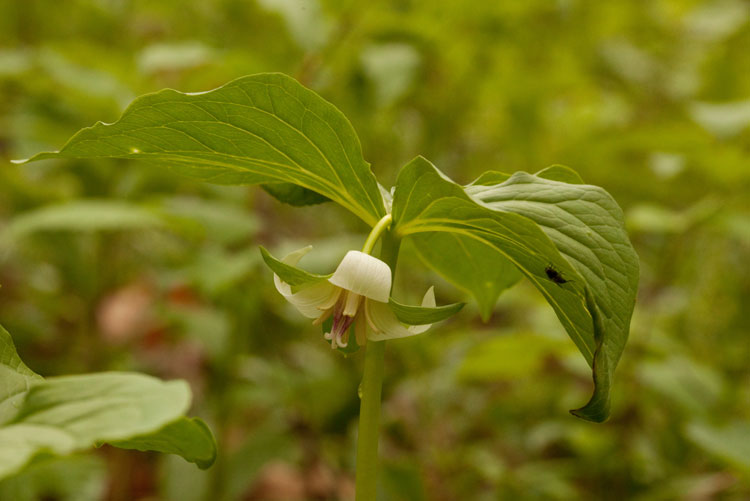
(263, 128)
(577, 280)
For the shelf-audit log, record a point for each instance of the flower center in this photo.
(344, 313)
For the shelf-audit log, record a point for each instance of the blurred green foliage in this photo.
(649, 99)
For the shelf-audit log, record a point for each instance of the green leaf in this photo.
(422, 315)
(83, 215)
(541, 225)
(294, 195)
(296, 277)
(64, 414)
(186, 437)
(15, 378)
(257, 129)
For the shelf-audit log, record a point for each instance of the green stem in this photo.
(372, 384)
(375, 233)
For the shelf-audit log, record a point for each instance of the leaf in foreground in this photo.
(64, 414)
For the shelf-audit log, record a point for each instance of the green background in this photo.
(648, 99)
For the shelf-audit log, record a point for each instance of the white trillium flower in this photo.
(357, 293)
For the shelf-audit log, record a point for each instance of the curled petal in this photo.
(364, 275)
(384, 324)
(313, 301)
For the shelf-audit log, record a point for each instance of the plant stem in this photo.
(375, 233)
(372, 384)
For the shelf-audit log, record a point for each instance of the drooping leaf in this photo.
(422, 315)
(587, 227)
(594, 312)
(15, 377)
(186, 437)
(258, 129)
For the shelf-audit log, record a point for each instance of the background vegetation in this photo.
(649, 99)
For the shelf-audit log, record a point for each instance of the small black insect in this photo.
(554, 275)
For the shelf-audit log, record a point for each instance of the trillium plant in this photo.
(564, 236)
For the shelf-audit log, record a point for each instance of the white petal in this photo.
(364, 275)
(428, 301)
(310, 301)
(384, 322)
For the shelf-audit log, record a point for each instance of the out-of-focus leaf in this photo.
(305, 21)
(83, 79)
(174, 57)
(83, 215)
(63, 414)
(685, 382)
(15, 377)
(392, 67)
(716, 20)
(73, 478)
(722, 119)
(403, 482)
(186, 437)
(653, 218)
(511, 356)
(729, 442)
(14, 62)
(257, 129)
(217, 221)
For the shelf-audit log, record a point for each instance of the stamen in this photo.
(341, 322)
(351, 303)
